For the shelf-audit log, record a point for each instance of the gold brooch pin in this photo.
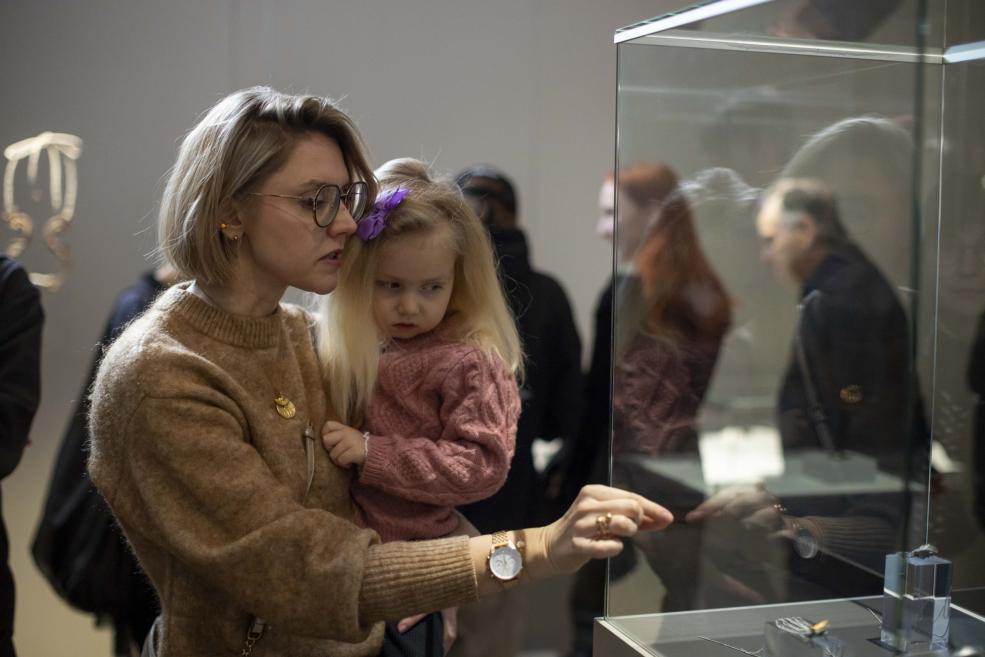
(285, 407)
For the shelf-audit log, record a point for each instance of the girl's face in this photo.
(281, 245)
(414, 281)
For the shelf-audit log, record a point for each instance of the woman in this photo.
(203, 409)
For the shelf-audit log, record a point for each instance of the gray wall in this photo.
(528, 85)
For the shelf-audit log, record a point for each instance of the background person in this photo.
(551, 387)
(550, 396)
(77, 544)
(21, 321)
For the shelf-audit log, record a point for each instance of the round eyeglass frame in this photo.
(339, 197)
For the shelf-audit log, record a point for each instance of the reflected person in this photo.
(671, 317)
(867, 163)
(848, 388)
(642, 187)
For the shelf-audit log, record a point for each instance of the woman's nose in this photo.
(343, 224)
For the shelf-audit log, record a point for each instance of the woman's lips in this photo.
(333, 258)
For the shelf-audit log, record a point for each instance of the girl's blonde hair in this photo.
(349, 351)
(241, 141)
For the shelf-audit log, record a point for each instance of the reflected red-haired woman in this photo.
(671, 317)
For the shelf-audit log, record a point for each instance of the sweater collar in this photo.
(236, 330)
(447, 330)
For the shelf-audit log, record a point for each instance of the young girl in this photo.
(432, 390)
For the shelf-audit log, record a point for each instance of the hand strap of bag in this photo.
(815, 411)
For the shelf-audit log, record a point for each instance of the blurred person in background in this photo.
(77, 545)
(21, 321)
(550, 399)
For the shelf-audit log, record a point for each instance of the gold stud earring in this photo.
(222, 226)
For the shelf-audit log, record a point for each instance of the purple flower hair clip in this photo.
(373, 223)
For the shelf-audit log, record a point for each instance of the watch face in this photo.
(505, 563)
(805, 544)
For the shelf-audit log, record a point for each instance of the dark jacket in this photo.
(550, 394)
(70, 490)
(21, 319)
(856, 341)
(587, 460)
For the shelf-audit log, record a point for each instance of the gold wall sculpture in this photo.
(62, 151)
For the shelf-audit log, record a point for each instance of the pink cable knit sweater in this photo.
(442, 431)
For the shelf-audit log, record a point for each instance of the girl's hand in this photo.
(577, 536)
(346, 446)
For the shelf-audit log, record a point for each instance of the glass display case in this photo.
(798, 358)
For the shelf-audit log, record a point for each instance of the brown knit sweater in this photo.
(206, 480)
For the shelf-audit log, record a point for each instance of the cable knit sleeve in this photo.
(470, 460)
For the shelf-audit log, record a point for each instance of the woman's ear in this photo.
(808, 230)
(232, 225)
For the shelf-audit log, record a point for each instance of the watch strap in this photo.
(500, 539)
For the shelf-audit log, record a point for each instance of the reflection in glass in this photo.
(835, 178)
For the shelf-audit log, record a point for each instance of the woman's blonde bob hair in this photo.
(241, 141)
(348, 351)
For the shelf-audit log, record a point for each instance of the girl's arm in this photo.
(470, 460)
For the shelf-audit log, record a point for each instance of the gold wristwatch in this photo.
(505, 559)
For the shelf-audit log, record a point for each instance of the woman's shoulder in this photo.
(155, 355)
(139, 351)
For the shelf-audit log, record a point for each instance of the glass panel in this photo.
(799, 334)
(958, 495)
(774, 311)
(833, 23)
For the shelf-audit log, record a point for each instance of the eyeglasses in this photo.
(324, 203)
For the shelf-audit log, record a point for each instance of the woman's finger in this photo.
(718, 502)
(627, 507)
(654, 515)
(606, 524)
(597, 548)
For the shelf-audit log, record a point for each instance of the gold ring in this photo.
(602, 522)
